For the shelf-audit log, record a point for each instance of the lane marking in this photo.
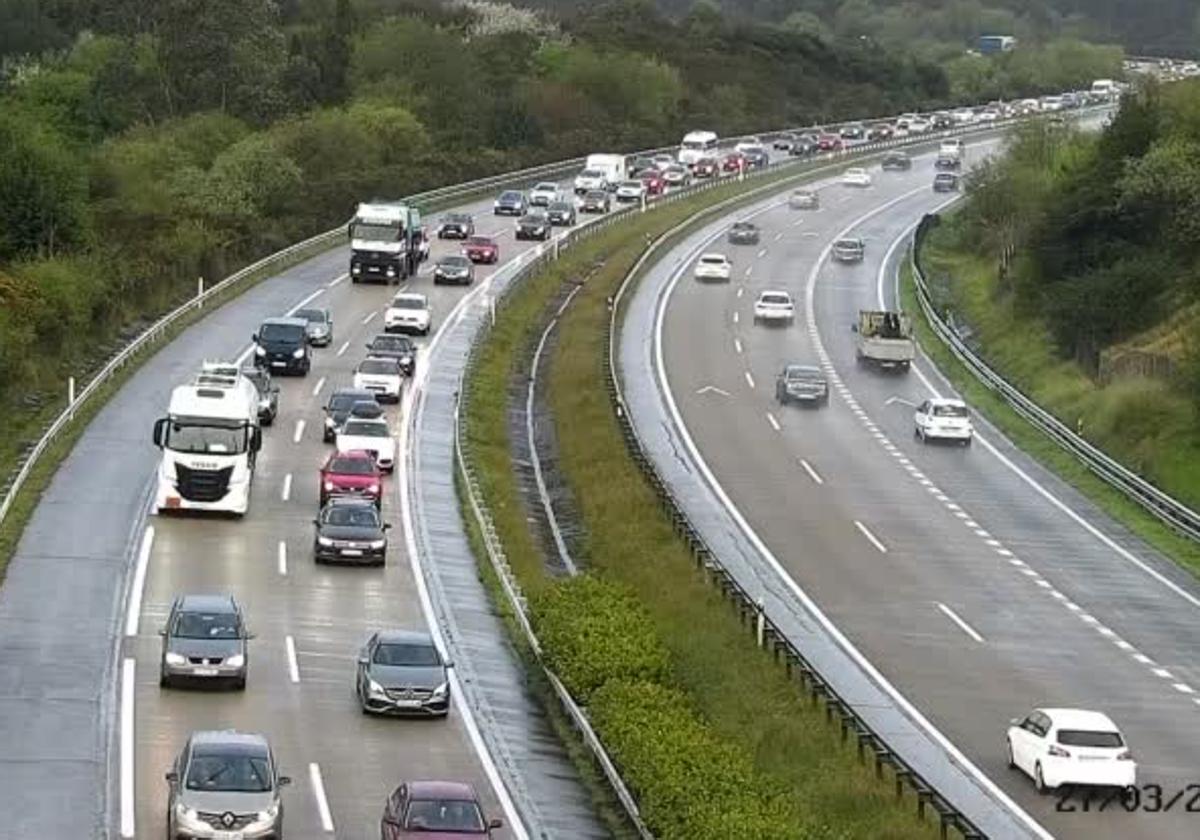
(774, 423)
(867, 533)
(962, 625)
(133, 609)
(337, 280)
(286, 492)
(749, 379)
(737, 345)
(343, 348)
(1162, 673)
(299, 431)
(128, 687)
(1182, 688)
(317, 388)
(293, 665)
(370, 317)
(778, 236)
(735, 317)
(762, 253)
(282, 557)
(741, 290)
(749, 270)
(318, 786)
(812, 473)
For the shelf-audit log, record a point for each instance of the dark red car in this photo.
(733, 162)
(481, 249)
(652, 179)
(706, 168)
(829, 143)
(434, 811)
(351, 473)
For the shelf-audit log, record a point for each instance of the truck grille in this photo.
(202, 485)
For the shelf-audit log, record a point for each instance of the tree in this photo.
(43, 190)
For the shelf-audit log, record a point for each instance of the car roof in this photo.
(409, 296)
(546, 185)
(766, 292)
(286, 321)
(392, 337)
(207, 603)
(713, 256)
(250, 742)
(1080, 719)
(946, 401)
(350, 501)
(809, 369)
(434, 789)
(400, 635)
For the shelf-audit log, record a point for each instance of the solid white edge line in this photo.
(812, 473)
(318, 787)
(299, 431)
(282, 557)
(866, 532)
(876, 676)
(962, 625)
(337, 280)
(293, 664)
(317, 388)
(286, 492)
(133, 609)
(128, 688)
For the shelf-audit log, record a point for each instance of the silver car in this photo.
(401, 672)
(204, 642)
(320, 326)
(225, 784)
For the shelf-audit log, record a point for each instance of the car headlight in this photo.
(187, 819)
(260, 350)
(329, 424)
(441, 690)
(324, 541)
(298, 353)
(378, 544)
(173, 658)
(375, 689)
(236, 661)
(406, 360)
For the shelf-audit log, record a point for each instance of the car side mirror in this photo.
(316, 521)
(495, 822)
(254, 337)
(284, 781)
(274, 389)
(248, 636)
(171, 776)
(362, 660)
(390, 820)
(387, 526)
(854, 328)
(160, 432)
(449, 664)
(1015, 722)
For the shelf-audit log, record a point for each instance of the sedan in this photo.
(456, 226)
(706, 168)
(677, 175)
(943, 419)
(402, 672)
(204, 641)
(432, 810)
(802, 383)
(744, 233)
(713, 267)
(774, 307)
(756, 157)
(320, 326)
(510, 203)
(880, 131)
(382, 376)
(854, 131)
(353, 474)
(784, 142)
(630, 191)
(408, 312)
(595, 201)
(856, 176)
(482, 249)
(455, 269)
(561, 213)
(543, 194)
(848, 249)
(640, 165)
(733, 162)
(899, 161)
(945, 182)
(374, 436)
(804, 200)
(829, 143)
(398, 347)
(533, 225)
(1070, 747)
(653, 181)
(350, 530)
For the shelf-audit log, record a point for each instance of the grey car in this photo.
(804, 200)
(897, 161)
(225, 784)
(945, 182)
(743, 233)
(401, 672)
(204, 642)
(454, 268)
(320, 326)
(802, 383)
(849, 249)
(268, 393)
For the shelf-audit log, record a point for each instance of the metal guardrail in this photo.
(1169, 510)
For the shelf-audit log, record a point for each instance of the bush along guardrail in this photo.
(1174, 513)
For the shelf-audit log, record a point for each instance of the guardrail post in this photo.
(199, 292)
(71, 396)
(760, 622)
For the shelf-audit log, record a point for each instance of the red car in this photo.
(829, 143)
(733, 162)
(481, 249)
(706, 168)
(351, 473)
(652, 179)
(433, 810)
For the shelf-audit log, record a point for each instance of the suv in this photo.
(945, 182)
(268, 394)
(408, 312)
(282, 344)
(456, 226)
(743, 233)
(204, 641)
(338, 409)
(398, 347)
(225, 784)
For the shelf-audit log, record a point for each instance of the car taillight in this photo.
(1125, 755)
(1058, 752)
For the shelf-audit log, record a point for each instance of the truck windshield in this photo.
(197, 438)
(375, 233)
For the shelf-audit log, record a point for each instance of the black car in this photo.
(561, 213)
(945, 162)
(854, 131)
(456, 226)
(640, 165)
(511, 203)
(784, 142)
(402, 672)
(897, 161)
(595, 201)
(395, 347)
(204, 642)
(880, 131)
(534, 225)
(945, 182)
(744, 233)
(802, 383)
(268, 394)
(802, 147)
(337, 409)
(941, 122)
(350, 530)
(281, 345)
(454, 268)
(756, 157)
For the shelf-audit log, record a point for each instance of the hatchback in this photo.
(204, 641)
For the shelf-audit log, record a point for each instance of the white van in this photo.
(696, 146)
(601, 172)
(1104, 87)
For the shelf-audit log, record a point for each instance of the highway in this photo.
(976, 582)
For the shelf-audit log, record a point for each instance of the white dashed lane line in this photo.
(749, 379)
(369, 318)
(962, 625)
(737, 345)
(318, 787)
(873, 539)
(293, 666)
(317, 388)
(812, 473)
(286, 492)
(774, 423)
(299, 431)
(282, 557)
(343, 348)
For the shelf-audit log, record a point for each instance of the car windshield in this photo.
(546, 187)
(1089, 738)
(311, 315)
(744, 226)
(479, 241)
(281, 332)
(230, 773)
(199, 439)
(694, 145)
(949, 411)
(596, 195)
(457, 815)
(775, 299)
(408, 303)
(205, 625)
(375, 233)
(803, 194)
(713, 260)
(534, 219)
(590, 173)
(804, 373)
(456, 219)
(407, 654)
(343, 401)
(510, 196)
(632, 185)
(381, 366)
(454, 262)
(351, 466)
(360, 516)
(366, 428)
(559, 207)
(391, 343)
(849, 244)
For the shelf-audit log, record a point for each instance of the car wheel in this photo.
(1039, 781)
(163, 680)
(1012, 765)
(240, 683)
(967, 442)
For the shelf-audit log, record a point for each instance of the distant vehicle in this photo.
(454, 268)
(896, 161)
(774, 307)
(856, 176)
(510, 203)
(654, 182)
(803, 147)
(942, 419)
(829, 143)
(784, 142)
(1057, 747)
(802, 383)
(747, 143)
(408, 312)
(590, 179)
(561, 213)
(435, 811)
(713, 267)
(595, 201)
(354, 474)
(945, 182)
(385, 242)
(989, 115)
(696, 146)
(225, 783)
(853, 131)
(947, 162)
(743, 233)
(482, 249)
(337, 409)
(320, 326)
(849, 249)
(534, 225)
(662, 161)
(401, 672)
(398, 347)
(543, 194)
(880, 131)
(733, 162)
(204, 642)
(350, 530)
(1104, 88)
(639, 165)
(963, 116)
(602, 172)
(706, 168)
(631, 191)
(884, 339)
(366, 410)
(941, 121)
(268, 394)
(677, 176)
(371, 435)
(1051, 103)
(382, 376)
(953, 147)
(456, 226)
(757, 157)
(281, 344)
(804, 200)
(919, 125)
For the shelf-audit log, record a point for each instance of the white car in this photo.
(1070, 747)
(919, 125)
(748, 143)
(953, 147)
(408, 312)
(631, 191)
(590, 179)
(382, 376)
(662, 161)
(943, 418)
(371, 434)
(964, 116)
(544, 194)
(856, 176)
(989, 115)
(774, 307)
(713, 267)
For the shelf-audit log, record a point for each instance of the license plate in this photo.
(228, 835)
(278, 364)
(174, 501)
(352, 552)
(204, 672)
(407, 704)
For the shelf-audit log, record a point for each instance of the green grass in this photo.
(740, 691)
